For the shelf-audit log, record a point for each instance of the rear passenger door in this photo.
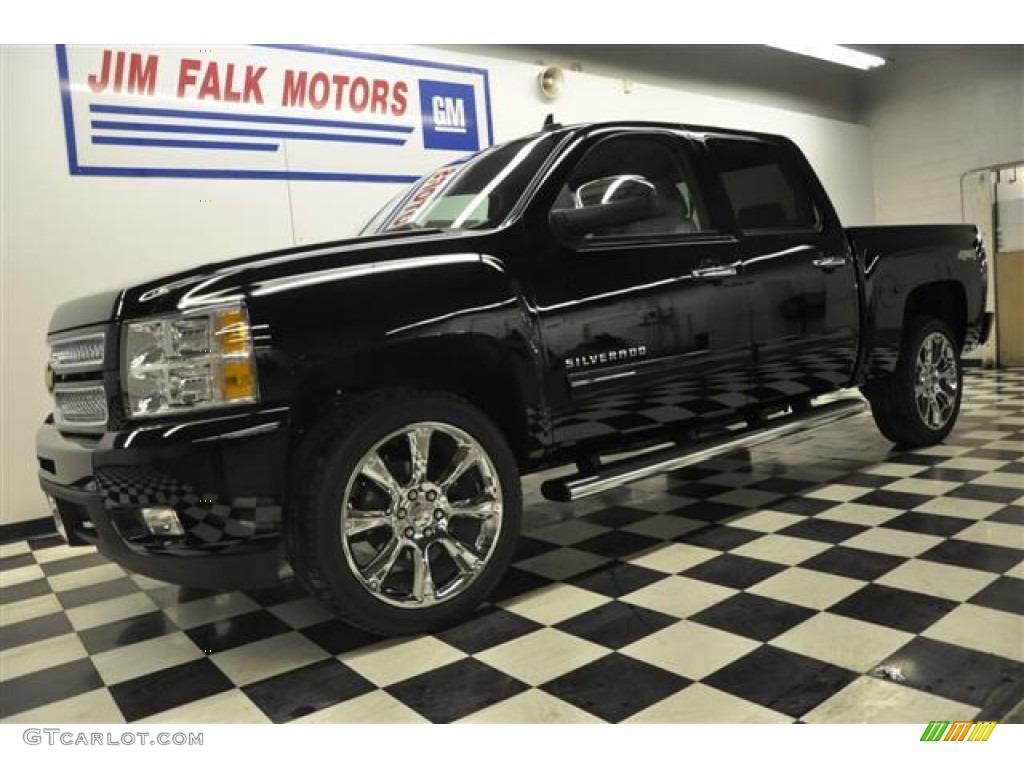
(799, 275)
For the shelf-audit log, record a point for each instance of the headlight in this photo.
(194, 360)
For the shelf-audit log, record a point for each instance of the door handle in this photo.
(714, 272)
(828, 263)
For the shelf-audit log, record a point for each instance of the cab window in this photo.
(764, 190)
(627, 162)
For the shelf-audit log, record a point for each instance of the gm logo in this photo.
(449, 116)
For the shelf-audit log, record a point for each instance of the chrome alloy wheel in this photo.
(421, 515)
(935, 380)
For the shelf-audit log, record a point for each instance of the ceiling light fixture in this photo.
(837, 54)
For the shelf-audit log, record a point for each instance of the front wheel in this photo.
(918, 404)
(410, 512)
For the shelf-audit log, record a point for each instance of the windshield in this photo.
(476, 193)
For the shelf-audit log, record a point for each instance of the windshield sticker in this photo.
(427, 191)
(268, 112)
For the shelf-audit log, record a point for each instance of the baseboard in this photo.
(26, 529)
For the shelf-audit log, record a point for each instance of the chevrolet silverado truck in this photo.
(628, 298)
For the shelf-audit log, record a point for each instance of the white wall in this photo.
(65, 236)
(753, 74)
(937, 112)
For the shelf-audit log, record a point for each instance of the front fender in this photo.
(456, 321)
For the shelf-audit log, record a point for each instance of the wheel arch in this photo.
(891, 313)
(473, 367)
(945, 300)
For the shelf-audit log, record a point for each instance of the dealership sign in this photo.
(267, 112)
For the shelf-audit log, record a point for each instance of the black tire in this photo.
(330, 471)
(906, 417)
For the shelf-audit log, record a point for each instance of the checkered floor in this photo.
(822, 579)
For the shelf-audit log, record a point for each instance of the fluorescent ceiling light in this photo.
(837, 54)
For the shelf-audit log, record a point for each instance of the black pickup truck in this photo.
(362, 410)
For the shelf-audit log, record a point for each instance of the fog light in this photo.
(58, 521)
(162, 521)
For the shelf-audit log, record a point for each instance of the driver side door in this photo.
(644, 324)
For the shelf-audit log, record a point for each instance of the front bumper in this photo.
(224, 476)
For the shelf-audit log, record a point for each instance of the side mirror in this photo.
(613, 201)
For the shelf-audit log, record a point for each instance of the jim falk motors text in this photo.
(127, 72)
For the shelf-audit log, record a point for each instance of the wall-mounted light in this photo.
(837, 54)
(551, 81)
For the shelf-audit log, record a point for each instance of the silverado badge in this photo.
(599, 358)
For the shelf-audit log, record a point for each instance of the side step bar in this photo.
(631, 470)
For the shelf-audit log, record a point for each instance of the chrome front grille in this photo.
(80, 405)
(77, 354)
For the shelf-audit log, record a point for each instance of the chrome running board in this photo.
(631, 470)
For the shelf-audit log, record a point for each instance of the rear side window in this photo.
(764, 188)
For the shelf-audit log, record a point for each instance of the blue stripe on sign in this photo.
(134, 141)
(261, 132)
(65, 101)
(234, 117)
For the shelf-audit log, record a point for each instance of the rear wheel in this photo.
(919, 402)
(409, 511)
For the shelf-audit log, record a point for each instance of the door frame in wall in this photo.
(986, 218)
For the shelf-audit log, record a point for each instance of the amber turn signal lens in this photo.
(237, 381)
(232, 332)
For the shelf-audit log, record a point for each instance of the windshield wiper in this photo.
(407, 227)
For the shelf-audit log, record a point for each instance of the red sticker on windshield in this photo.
(427, 192)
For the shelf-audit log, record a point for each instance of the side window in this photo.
(764, 189)
(676, 207)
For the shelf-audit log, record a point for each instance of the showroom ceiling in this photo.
(754, 73)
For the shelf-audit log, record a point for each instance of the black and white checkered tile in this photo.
(604, 415)
(827, 578)
(206, 518)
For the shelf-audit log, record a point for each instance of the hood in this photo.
(232, 279)
(88, 310)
